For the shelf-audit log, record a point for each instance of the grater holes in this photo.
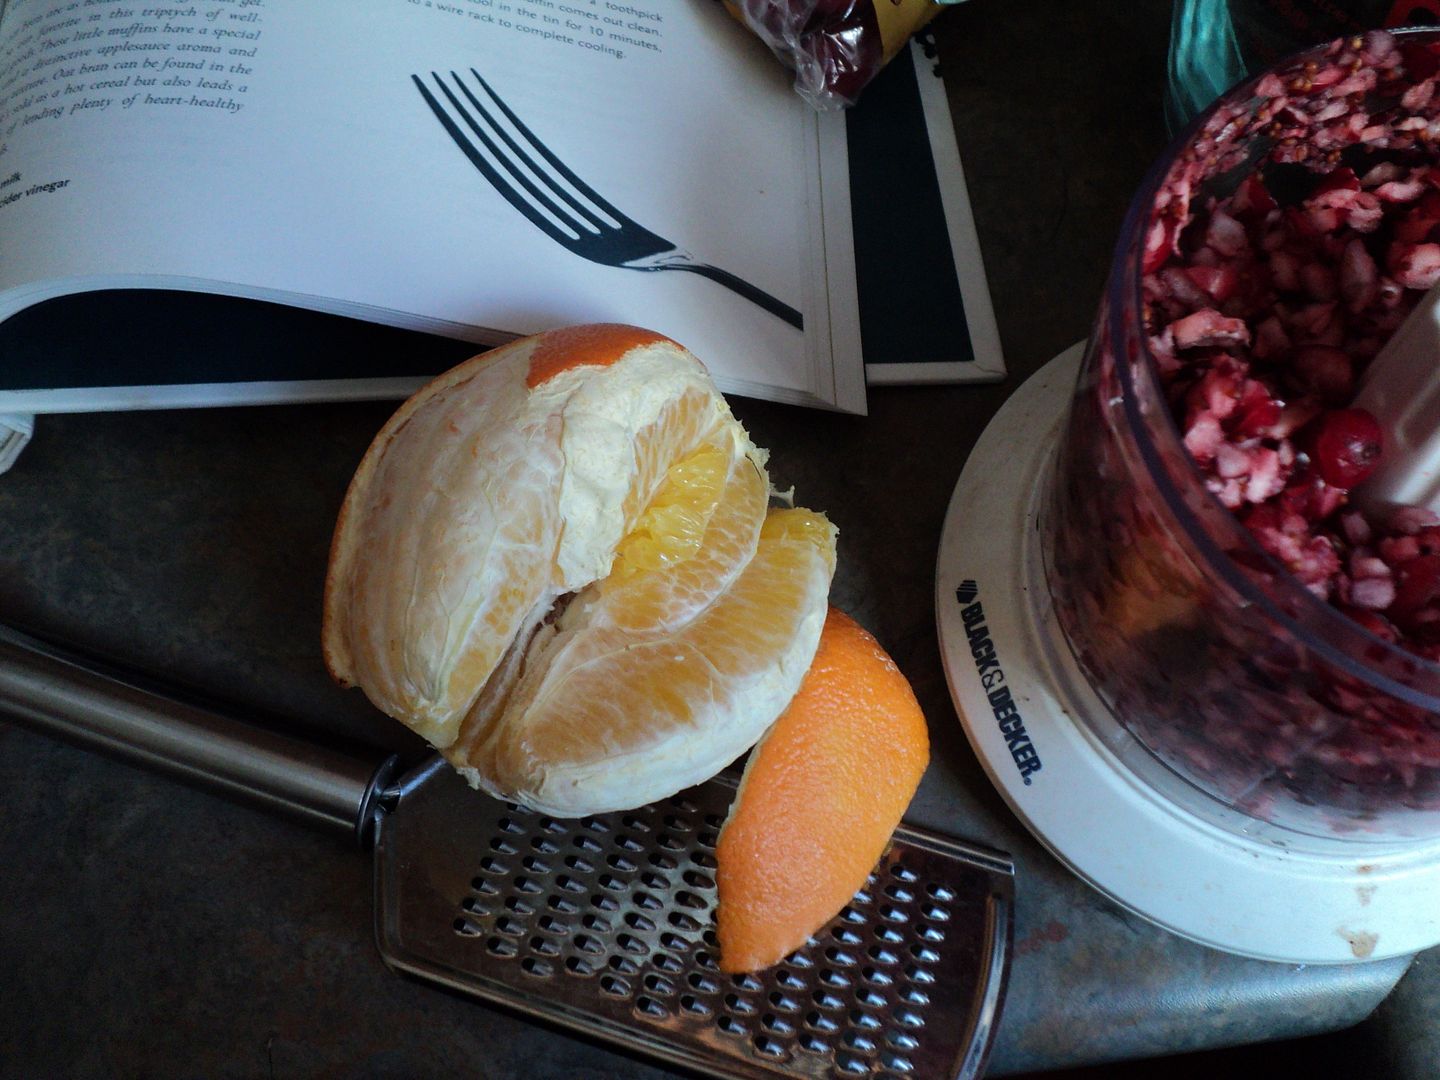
(924, 953)
(499, 946)
(569, 884)
(846, 936)
(826, 1000)
(814, 1044)
(563, 904)
(882, 955)
(476, 907)
(697, 880)
(707, 838)
(509, 927)
(673, 942)
(783, 1002)
(818, 1021)
(519, 907)
(614, 986)
(866, 1021)
(691, 1004)
(620, 862)
(862, 897)
(840, 957)
(684, 805)
(891, 913)
(651, 1008)
(851, 1064)
(744, 981)
(662, 861)
(550, 825)
(902, 1040)
(624, 965)
(636, 822)
(703, 859)
(517, 809)
(932, 933)
(917, 974)
(690, 900)
(485, 885)
(605, 903)
(940, 892)
(509, 825)
(703, 983)
(526, 885)
(611, 882)
(667, 963)
(535, 865)
(658, 984)
(800, 960)
(778, 1024)
(552, 925)
(730, 1025)
(789, 980)
(502, 846)
(595, 825)
(875, 977)
(544, 946)
(533, 965)
(897, 1064)
(585, 843)
(904, 873)
(544, 845)
(851, 916)
(889, 935)
(491, 865)
(706, 961)
(670, 842)
(854, 1040)
(831, 977)
(899, 893)
(739, 1005)
(626, 842)
(647, 902)
(631, 944)
(714, 821)
(873, 998)
(578, 965)
(652, 880)
(909, 1018)
(935, 912)
(467, 927)
(681, 921)
(579, 865)
(768, 1046)
(710, 938)
(677, 823)
(914, 997)
(636, 921)
(588, 943)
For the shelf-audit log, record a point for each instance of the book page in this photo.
(256, 147)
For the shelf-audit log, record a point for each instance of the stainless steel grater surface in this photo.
(605, 925)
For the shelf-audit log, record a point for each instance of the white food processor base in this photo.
(1116, 817)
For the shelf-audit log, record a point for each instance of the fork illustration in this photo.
(538, 184)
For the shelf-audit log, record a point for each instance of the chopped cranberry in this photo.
(1417, 588)
(1347, 447)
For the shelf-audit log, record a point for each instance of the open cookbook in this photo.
(463, 172)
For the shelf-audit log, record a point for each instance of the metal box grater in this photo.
(604, 925)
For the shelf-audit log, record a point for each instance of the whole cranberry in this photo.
(1346, 446)
(1417, 587)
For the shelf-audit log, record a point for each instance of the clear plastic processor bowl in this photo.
(1226, 669)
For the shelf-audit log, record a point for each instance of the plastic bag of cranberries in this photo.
(835, 47)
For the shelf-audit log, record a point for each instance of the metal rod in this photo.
(58, 694)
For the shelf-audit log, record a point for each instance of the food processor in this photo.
(1175, 717)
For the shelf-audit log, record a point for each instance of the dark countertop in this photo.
(151, 930)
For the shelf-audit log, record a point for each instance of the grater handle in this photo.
(58, 694)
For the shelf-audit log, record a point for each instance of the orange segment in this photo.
(607, 716)
(819, 800)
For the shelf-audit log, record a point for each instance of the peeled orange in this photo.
(556, 563)
(820, 797)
